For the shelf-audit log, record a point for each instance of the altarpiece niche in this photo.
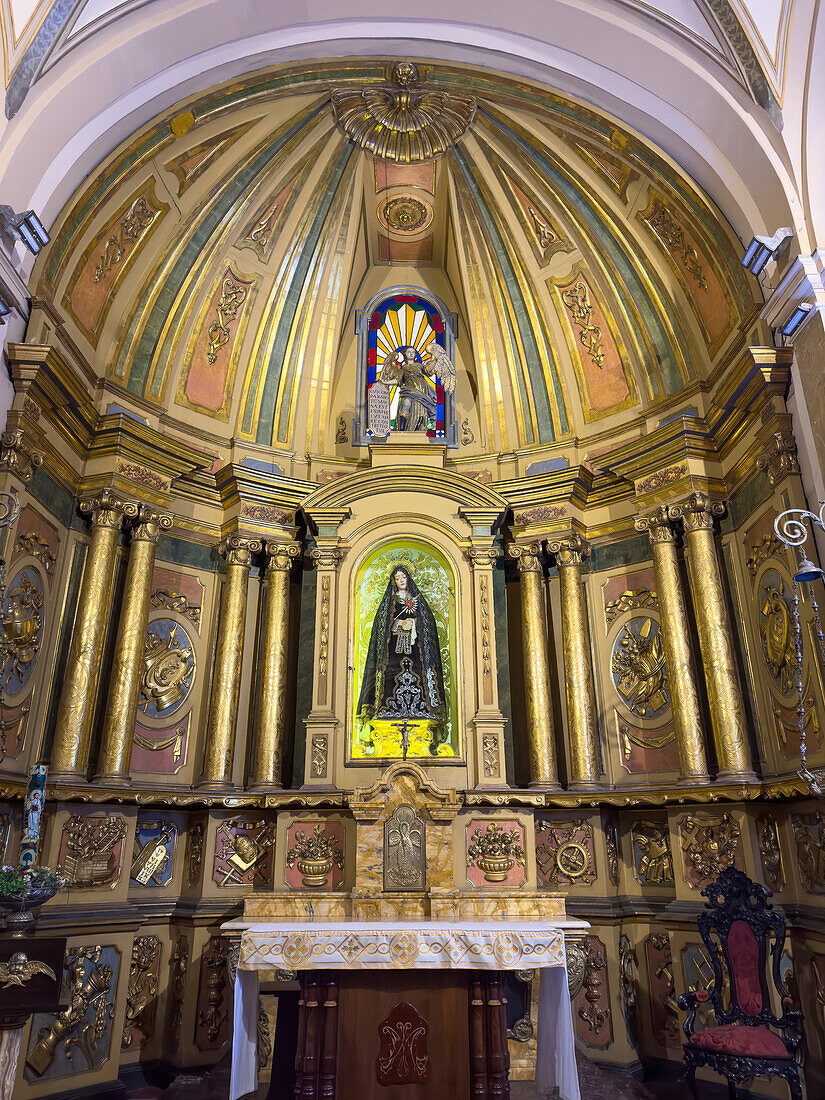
(406, 377)
(404, 643)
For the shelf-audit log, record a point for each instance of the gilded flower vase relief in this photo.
(403, 699)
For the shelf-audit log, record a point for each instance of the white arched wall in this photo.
(658, 82)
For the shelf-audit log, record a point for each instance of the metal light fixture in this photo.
(802, 312)
(762, 249)
(5, 310)
(26, 227)
(791, 530)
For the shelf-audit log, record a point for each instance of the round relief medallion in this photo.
(404, 214)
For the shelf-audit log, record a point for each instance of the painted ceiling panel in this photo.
(217, 262)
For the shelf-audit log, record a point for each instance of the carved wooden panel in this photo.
(402, 1055)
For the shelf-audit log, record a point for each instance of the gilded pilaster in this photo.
(724, 696)
(686, 716)
(534, 639)
(488, 722)
(570, 552)
(271, 723)
(124, 685)
(70, 751)
(226, 680)
(322, 722)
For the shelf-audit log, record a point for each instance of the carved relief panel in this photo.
(78, 1039)
(405, 850)
(652, 859)
(243, 853)
(591, 1006)
(213, 1021)
(91, 850)
(634, 675)
(170, 684)
(565, 853)
(314, 855)
(809, 838)
(153, 853)
(141, 993)
(663, 1007)
(709, 845)
(495, 852)
(770, 851)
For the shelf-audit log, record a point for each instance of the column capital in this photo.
(238, 549)
(527, 556)
(657, 524)
(697, 512)
(327, 557)
(280, 555)
(482, 559)
(108, 509)
(572, 550)
(150, 524)
(778, 460)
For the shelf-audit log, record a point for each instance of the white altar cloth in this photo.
(411, 945)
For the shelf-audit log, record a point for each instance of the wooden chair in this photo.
(741, 1044)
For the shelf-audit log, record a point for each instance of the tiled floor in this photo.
(596, 1084)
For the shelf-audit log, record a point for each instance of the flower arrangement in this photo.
(19, 882)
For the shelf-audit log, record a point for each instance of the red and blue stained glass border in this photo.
(436, 324)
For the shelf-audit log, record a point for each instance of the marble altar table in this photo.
(331, 959)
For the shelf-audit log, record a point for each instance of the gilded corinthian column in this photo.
(124, 684)
(686, 718)
(727, 711)
(271, 723)
(73, 731)
(578, 676)
(226, 679)
(534, 641)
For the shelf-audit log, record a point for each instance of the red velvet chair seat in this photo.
(755, 1042)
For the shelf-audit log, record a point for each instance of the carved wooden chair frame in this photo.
(734, 897)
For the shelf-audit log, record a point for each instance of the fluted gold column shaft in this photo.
(727, 712)
(534, 639)
(70, 750)
(226, 681)
(578, 675)
(271, 724)
(686, 715)
(124, 686)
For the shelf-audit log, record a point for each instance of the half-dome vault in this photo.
(213, 269)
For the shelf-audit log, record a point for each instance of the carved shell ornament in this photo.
(403, 122)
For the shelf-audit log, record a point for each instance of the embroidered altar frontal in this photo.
(482, 946)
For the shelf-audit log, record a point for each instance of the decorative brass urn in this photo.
(496, 868)
(315, 871)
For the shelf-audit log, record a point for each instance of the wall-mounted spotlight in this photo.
(5, 310)
(802, 311)
(762, 249)
(25, 227)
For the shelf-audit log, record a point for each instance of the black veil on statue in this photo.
(409, 685)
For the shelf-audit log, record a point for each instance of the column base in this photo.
(551, 786)
(586, 786)
(113, 780)
(265, 788)
(218, 786)
(737, 777)
(701, 780)
(67, 777)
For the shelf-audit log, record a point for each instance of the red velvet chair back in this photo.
(739, 915)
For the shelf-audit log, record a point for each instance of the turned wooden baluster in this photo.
(308, 1063)
(478, 1047)
(498, 1054)
(326, 1079)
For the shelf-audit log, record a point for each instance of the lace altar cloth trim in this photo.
(401, 946)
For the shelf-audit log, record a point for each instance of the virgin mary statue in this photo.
(403, 678)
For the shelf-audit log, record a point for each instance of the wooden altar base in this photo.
(414, 1035)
